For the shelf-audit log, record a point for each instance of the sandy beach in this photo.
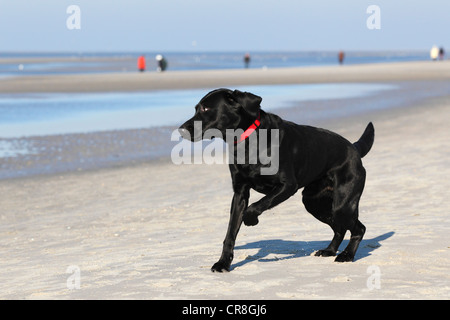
(111, 82)
(151, 230)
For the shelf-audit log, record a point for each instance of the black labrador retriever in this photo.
(326, 165)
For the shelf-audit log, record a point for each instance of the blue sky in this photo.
(225, 25)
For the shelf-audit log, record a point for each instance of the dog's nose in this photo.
(184, 133)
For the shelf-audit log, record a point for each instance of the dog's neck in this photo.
(251, 128)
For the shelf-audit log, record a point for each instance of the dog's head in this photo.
(221, 109)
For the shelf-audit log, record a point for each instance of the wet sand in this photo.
(109, 82)
(152, 230)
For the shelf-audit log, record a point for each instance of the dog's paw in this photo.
(344, 256)
(325, 253)
(250, 219)
(220, 266)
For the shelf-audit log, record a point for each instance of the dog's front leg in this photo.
(278, 195)
(238, 206)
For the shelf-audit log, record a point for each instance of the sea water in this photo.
(41, 114)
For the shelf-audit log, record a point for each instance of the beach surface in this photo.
(153, 229)
(113, 82)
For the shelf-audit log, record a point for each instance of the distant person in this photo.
(141, 63)
(162, 63)
(247, 60)
(434, 53)
(441, 53)
(341, 57)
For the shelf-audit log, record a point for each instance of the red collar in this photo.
(250, 129)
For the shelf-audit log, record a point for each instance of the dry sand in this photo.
(153, 230)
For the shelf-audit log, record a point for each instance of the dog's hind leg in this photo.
(348, 190)
(357, 233)
(333, 246)
(318, 200)
(335, 202)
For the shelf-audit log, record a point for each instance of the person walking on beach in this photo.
(341, 57)
(434, 52)
(247, 60)
(441, 53)
(162, 63)
(141, 63)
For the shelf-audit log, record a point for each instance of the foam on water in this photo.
(10, 149)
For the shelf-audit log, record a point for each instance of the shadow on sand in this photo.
(298, 249)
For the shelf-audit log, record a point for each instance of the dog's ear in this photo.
(249, 102)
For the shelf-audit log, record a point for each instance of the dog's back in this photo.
(314, 151)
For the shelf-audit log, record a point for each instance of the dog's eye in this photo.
(203, 109)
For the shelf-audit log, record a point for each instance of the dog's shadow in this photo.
(297, 249)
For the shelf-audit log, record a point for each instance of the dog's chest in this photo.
(252, 176)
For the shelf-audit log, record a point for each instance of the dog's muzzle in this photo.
(185, 134)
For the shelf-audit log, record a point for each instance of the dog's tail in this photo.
(364, 143)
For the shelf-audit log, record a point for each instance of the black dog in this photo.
(326, 165)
